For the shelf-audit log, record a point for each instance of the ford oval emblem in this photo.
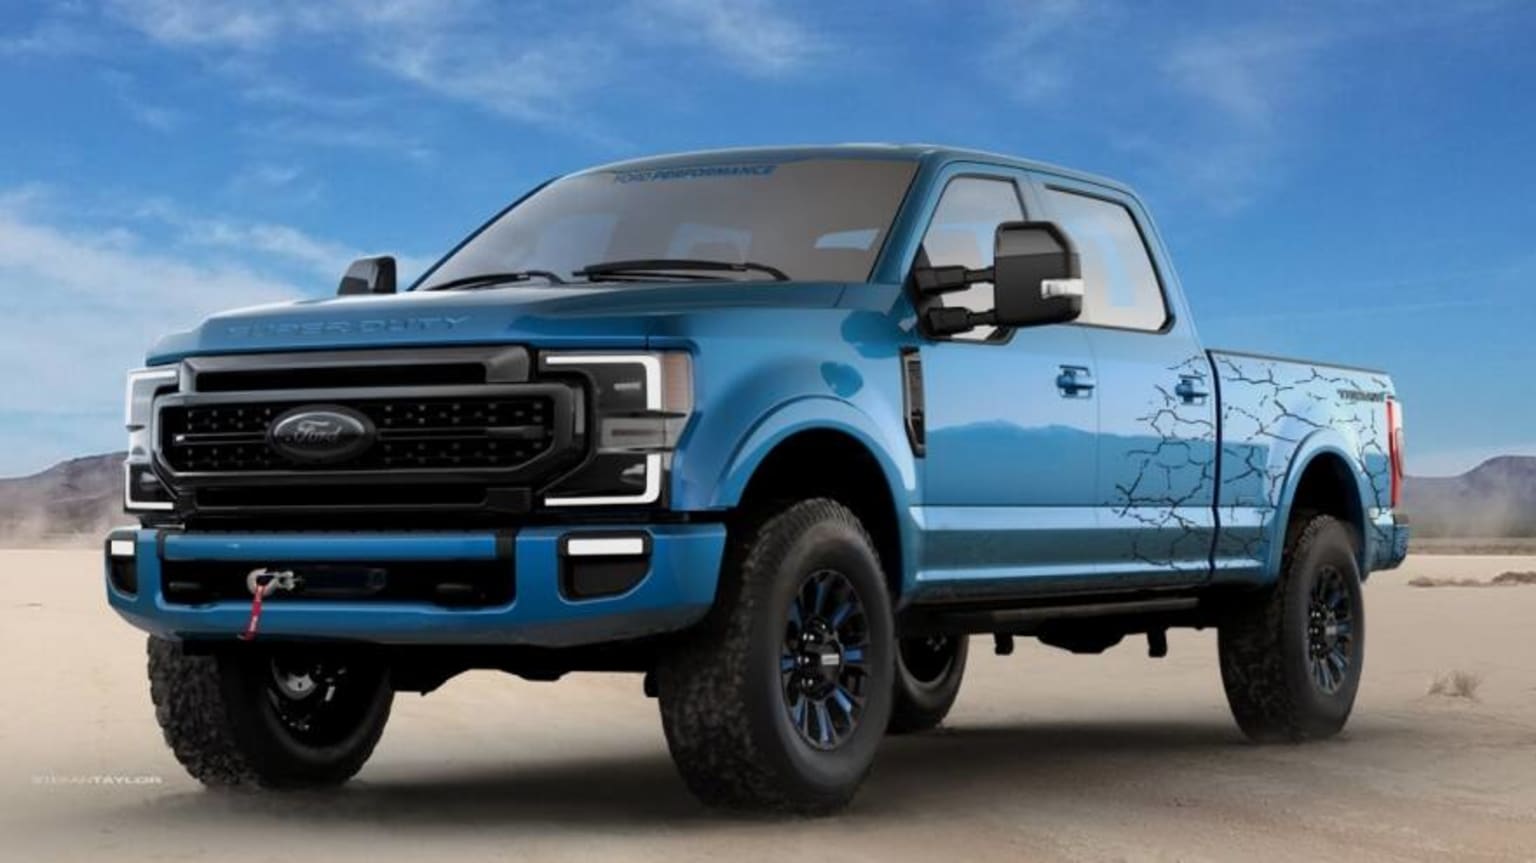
(320, 434)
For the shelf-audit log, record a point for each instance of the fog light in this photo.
(598, 565)
(122, 564)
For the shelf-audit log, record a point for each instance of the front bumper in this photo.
(680, 567)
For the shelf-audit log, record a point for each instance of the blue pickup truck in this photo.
(777, 429)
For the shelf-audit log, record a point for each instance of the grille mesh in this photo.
(443, 433)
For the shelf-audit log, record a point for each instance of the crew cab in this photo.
(778, 430)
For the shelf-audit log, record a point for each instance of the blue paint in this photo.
(675, 593)
(1023, 486)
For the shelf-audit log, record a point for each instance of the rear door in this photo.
(1156, 486)
(1009, 471)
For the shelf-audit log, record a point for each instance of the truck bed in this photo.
(1275, 414)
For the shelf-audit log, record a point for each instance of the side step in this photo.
(1131, 615)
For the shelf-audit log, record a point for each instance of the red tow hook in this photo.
(263, 583)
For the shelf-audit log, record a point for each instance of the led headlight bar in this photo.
(142, 490)
(641, 404)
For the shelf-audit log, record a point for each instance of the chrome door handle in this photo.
(1075, 382)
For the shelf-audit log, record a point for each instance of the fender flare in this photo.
(1319, 443)
(825, 413)
(817, 413)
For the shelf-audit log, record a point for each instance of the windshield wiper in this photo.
(667, 267)
(488, 280)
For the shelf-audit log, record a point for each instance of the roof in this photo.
(905, 152)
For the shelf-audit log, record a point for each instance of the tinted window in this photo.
(1122, 287)
(962, 233)
(820, 220)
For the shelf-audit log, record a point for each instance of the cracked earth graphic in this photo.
(1268, 409)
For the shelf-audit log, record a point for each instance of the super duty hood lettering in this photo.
(441, 323)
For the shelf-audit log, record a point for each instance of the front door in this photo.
(1009, 475)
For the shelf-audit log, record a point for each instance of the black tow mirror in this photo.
(369, 276)
(1037, 277)
(1035, 280)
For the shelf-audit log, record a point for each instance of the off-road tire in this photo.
(1264, 642)
(722, 702)
(924, 693)
(218, 721)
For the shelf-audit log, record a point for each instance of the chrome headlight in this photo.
(641, 404)
(142, 489)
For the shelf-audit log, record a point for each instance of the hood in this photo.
(611, 315)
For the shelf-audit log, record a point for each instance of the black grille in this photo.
(447, 433)
(428, 432)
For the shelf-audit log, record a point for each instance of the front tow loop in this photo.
(263, 583)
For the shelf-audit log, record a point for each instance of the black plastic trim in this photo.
(499, 364)
(913, 403)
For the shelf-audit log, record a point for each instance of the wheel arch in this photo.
(1324, 478)
(814, 450)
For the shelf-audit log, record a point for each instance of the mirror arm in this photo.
(950, 320)
(934, 281)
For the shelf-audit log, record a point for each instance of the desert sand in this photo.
(1047, 756)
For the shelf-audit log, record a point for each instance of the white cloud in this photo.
(527, 63)
(321, 256)
(474, 52)
(227, 23)
(111, 268)
(84, 304)
(142, 111)
(51, 38)
(1030, 54)
(275, 246)
(753, 36)
(60, 31)
(1248, 75)
(81, 307)
(535, 82)
(303, 132)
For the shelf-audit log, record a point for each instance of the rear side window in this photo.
(963, 233)
(1122, 287)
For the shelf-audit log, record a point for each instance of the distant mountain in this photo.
(76, 501)
(73, 502)
(1495, 499)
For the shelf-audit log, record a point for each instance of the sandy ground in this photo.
(1047, 756)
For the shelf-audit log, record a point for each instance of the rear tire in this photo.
(778, 700)
(263, 717)
(928, 675)
(1291, 656)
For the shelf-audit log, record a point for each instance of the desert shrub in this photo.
(1457, 684)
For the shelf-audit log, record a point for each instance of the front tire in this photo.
(1291, 656)
(779, 700)
(286, 717)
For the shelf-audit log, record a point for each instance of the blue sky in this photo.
(1346, 180)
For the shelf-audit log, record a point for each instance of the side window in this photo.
(1122, 287)
(962, 233)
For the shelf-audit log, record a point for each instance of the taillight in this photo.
(1395, 447)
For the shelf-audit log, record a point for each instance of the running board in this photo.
(1137, 615)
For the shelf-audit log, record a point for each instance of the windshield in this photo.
(816, 220)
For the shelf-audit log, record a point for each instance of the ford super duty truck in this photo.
(777, 429)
